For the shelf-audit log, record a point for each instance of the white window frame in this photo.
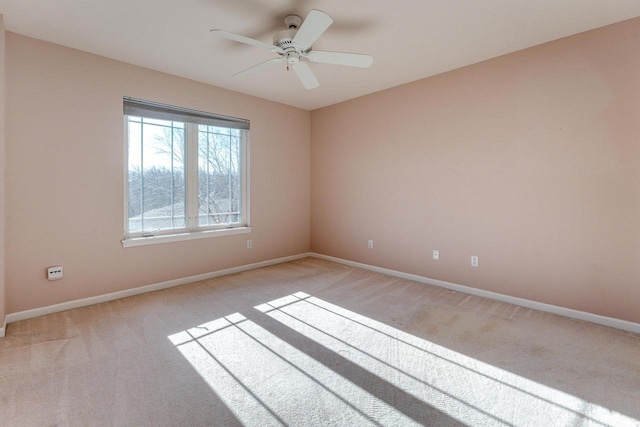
(192, 229)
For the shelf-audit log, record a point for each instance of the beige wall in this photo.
(530, 161)
(2, 173)
(65, 201)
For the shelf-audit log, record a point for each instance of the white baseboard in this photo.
(562, 311)
(567, 312)
(41, 311)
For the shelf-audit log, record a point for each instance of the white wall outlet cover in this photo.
(55, 273)
(436, 254)
(474, 261)
(249, 244)
(370, 244)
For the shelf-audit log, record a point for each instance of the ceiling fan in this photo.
(294, 44)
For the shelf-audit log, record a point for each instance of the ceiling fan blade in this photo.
(316, 23)
(305, 75)
(246, 40)
(258, 67)
(341, 58)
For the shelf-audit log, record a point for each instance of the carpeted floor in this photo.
(311, 343)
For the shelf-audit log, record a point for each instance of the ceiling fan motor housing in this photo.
(284, 39)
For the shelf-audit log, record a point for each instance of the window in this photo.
(186, 173)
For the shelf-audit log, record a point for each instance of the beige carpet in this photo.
(315, 343)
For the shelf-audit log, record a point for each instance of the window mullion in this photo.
(208, 191)
(230, 194)
(192, 176)
(244, 177)
(173, 185)
(141, 173)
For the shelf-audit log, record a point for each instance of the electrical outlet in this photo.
(474, 261)
(55, 273)
(436, 254)
(370, 244)
(249, 244)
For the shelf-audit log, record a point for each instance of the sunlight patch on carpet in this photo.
(466, 389)
(265, 381)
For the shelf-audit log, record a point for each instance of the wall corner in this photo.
(3, 169)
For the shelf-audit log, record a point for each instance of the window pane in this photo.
(234, 179)
(219, 185)
(135, 176)
(156, 175)
(166, 123)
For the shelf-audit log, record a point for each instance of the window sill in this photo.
(168, 238)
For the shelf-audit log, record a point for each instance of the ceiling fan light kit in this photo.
(294, 45)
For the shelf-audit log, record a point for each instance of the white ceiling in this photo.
(409, 39)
